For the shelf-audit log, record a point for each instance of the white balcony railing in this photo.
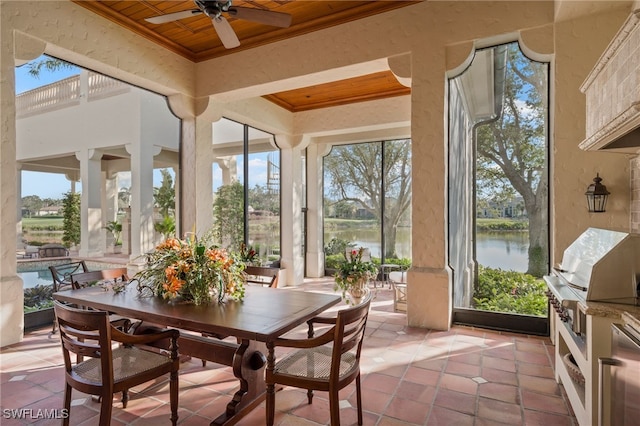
(65, 93)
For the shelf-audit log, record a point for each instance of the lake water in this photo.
(504, 250)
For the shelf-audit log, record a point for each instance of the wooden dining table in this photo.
(262, 316)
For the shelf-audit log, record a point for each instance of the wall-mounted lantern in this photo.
(597, 195)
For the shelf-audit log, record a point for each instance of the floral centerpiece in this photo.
(249, 255)
(192, 270)
(353, 275)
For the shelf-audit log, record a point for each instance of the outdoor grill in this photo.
(600, 265)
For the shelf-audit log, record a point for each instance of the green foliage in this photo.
(228, 210)
(352, 270)
(165, 196)
(333, 261)
(501, 225)
(48, 63)
(353, 174)
(115, 228)
(509, 291)
(512, 150)
(38, 297)
(337, 246)
(166, 227)
(71, 221)
(32, 204)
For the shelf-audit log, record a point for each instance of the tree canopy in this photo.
(512, 151)
(356, 173)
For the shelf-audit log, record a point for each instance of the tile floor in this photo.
(410, 376)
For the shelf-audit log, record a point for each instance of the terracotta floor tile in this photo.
(501, 392)
(539, 384)
(410, 377)
(458, 384)
(456, 401)
(408, 410)
(546, 403)
(499, 411)
(462, 369)
(539, 418)
(441, 416)
(499, 376)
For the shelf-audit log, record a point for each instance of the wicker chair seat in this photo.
(127, 362)
(314, 363)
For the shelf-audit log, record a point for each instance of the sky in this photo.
(44, 185)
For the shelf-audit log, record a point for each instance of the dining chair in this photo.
(106, 276)
(61, 274)
(327, 362)
(112, 368)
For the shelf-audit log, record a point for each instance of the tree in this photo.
(124, 197)
(71, 219)
(356, 173)
(48, 63)
(228, 210)
(512, 151)
(260, 198)
(165, 195)
(32, 203)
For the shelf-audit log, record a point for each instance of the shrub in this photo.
(510, 291)
(337, 246)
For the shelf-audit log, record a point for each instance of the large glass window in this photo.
(367, 201)
(498, 187)
(246, 185)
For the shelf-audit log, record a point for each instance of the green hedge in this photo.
(501, 225)
(510, 291)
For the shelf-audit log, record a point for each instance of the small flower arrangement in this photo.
(193, 270)
(248, 254)
(354, 271)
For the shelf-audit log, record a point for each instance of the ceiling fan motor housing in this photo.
(213, 8)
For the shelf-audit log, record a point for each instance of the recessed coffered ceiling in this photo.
(195, 38)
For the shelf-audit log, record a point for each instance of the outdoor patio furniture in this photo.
(53, 250)
(111, 369)
(328, 362)
(61, 274)
(261, 275)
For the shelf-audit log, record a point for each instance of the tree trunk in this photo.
(538, 242)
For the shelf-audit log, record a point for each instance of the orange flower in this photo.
(173, 286)
(169, 244)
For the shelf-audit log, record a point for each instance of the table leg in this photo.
(248, 366)
(271, 388)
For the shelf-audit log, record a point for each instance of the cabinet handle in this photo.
(602, 362)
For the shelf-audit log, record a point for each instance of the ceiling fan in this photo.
(214, 9)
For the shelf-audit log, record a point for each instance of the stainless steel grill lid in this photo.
(603, 263)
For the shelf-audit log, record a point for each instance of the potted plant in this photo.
(115, 228)
(353, 274)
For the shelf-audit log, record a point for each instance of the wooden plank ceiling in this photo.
(195, 39)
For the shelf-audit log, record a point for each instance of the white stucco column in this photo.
(142, 231)
(429, 285)
(196, 153)
(291, 256)
(91, 202)
(109, 206)
(11, 293)
(315, 232)
(19, 236)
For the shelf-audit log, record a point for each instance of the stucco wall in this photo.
(423, 30)
(578, 46)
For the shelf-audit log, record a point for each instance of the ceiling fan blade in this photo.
(225, 32)
(268, 17)
(173, 16)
